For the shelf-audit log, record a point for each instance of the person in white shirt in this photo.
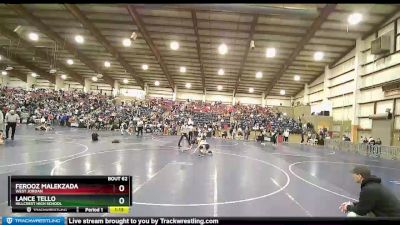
(184, 133)
(1, 126)
(123, 127)
(140, 127)
(234, 133)
(11, 119)
(190, 131)
(371, 141)
(1, 121)
(286, 135)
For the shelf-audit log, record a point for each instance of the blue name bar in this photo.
(14, 220)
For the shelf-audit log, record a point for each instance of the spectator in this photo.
(371, 141)
(345, 138)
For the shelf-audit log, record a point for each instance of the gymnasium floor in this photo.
(240, 179)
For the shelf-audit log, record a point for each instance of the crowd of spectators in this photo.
(97, 111)
(370, 141)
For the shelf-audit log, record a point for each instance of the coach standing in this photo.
(11, 119)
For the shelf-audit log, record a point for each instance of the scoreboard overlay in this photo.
(89, 194)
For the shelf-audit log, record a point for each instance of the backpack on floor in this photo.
(95, 137)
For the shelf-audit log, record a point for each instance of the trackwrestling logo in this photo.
(33, 220)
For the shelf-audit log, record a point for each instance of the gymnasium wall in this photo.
(193, 95)
(356, 101)
(247, 99)
(301, 111)
(278, 101)
(12, 82)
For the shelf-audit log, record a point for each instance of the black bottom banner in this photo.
(222, 220)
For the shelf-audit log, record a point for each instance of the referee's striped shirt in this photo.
(12, 118)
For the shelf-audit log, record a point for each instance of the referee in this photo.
(184, 133)
(11, 119)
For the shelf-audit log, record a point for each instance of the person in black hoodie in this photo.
(375, 199)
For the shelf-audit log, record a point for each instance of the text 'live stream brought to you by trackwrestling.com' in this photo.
(138, 221)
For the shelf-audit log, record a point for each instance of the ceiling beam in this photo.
(43, 73)
(142, 29)
(161, 35)
(243, 9)
(196, 32)
(43, 28)
(316, 25)
(42, 54)
(240, 30)
(227, 21)
(246, 53)
(75, 11)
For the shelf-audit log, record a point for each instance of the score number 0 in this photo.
(121, 200)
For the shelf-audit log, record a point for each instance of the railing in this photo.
(375, 151)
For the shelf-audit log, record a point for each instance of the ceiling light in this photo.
(79, 39)
(354, 18)
(145, 67)
(174, 45)
(34, 75)
(33, 36)
(283, 92)
(219, 87)
(127, 42)
(318, 56)
(296, 77)
(64, 77)
(222, 49)
(221, 72)
(259, 75)
(182, 69)
(157, 83)
(251, 90)
(107, 64)
(4, 73)
(125, 81)
(99, 75)
(52, 71)
(133, 35)
(9, 68)
(94, 79)
(271, 52)
(1, 57)
(70, 61)
(188, 85)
